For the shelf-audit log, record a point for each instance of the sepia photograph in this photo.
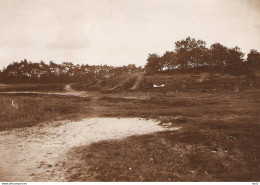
(129, 91)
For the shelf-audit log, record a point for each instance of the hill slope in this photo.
(208, 82)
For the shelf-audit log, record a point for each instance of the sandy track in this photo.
(35, 153)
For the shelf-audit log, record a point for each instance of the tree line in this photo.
(41, 72)
(192, 54)
(189, 54)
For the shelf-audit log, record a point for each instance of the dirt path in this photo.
(35, 153)
(138, 80)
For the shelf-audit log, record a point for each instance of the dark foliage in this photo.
(253, 59)
(28, 72)
(192, 54)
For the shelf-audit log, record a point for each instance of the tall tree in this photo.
(253, 59)
(235, 58)
(169, 60)
(190, 52)
(153, 64)
(218, 55)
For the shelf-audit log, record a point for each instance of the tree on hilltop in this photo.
(153, 64)
(190, 52)
(253, 59)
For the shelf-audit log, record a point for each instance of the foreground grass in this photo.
(34, 108)
(219, 141)
(170, 156)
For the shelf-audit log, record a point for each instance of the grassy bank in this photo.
(33, 109)
(219, 141)
(180, 156)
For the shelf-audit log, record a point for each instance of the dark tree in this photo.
(191, 52)
(153, 64)
(253, 59)
(235, 58)
(169, 60)
(218, 56)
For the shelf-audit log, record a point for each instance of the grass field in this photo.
(218, 141)
(34, 108)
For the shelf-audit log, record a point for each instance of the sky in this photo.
(120, 32)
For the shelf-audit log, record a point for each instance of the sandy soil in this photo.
(35, 153)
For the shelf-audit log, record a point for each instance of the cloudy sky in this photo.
(119, 32)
